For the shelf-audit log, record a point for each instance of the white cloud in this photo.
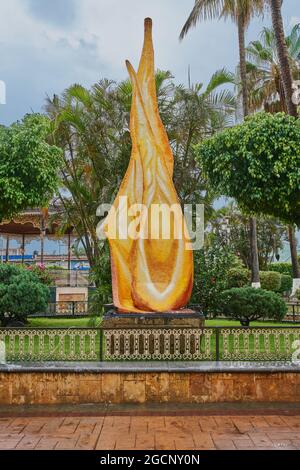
(41, 52)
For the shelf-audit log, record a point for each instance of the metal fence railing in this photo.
(293, 311)
(50, 344)
(151, 343)
(66, 309)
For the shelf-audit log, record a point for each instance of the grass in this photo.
(86, 322)
(90, 322)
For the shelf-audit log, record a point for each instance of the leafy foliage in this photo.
(28, 165)
(42, 273)
(248, 304)
(238, 277)
(270, 280)
(231, 226)
(263, 70)
(283, 268)
(21, 294)
(258, 163)
(286, 284)
(211, 268)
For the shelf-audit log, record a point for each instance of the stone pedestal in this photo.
(148, 336)
(184, 318)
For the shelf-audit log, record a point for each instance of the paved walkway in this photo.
(151, 432)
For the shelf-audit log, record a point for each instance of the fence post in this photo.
(217, 344)
(73, 308)
(101, 344)
(294, 316)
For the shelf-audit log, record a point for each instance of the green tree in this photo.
(29, 165)
(240, 12)
(231, 227)
(247, 304)
(211, 267)
(258, 164)
(266, 89)
(21, 294)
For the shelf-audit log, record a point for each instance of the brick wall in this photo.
(159, 387)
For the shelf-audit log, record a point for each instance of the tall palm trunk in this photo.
(287, 81)
(283, 56)
(294, 257)
(252, 220)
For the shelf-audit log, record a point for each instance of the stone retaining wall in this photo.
(160, 387)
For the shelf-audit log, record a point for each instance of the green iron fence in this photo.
(144, 344)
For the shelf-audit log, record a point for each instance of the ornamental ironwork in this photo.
(50, 344)
(152, 343)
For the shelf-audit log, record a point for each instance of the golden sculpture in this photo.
(148, 274)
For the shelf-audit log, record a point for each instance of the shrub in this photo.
(211, 268)
(286, 284)
(42, 273)
(238, 277)
(297, 294)
(21, 294)
(249, 304)
(282, 268)
(270, 280)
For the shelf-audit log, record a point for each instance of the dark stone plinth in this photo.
(183, 318)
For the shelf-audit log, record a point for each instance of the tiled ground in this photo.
(151, 432)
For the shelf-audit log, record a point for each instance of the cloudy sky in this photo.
(46, 45)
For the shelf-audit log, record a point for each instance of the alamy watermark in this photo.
(2, 352)
(296, 352)
(157, 222)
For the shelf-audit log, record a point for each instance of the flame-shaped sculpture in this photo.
(148, 274)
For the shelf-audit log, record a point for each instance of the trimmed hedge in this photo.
(270, 280)
(286, 284)
(238, 277)
(282, 268)
(249, 304)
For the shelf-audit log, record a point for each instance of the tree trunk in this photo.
(283, 56)
(254, 253)
(243, 70)
(294, 254)
(252, 220)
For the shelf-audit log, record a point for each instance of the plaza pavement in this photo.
(186, 429)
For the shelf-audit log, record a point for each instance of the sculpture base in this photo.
(160, 336)
(183, 318)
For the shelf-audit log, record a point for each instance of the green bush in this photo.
(270, 280)
(249, 304)
(297, 294)
(282, 268)
(210, 279)
(286, 284)
(42, 273)
(238, 277)
(21, 294)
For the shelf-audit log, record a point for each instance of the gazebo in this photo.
(33, 224)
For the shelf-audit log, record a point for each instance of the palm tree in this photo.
(266, 89)
(265, 86)
(241, 12)
(198, 112)
(283, 56)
